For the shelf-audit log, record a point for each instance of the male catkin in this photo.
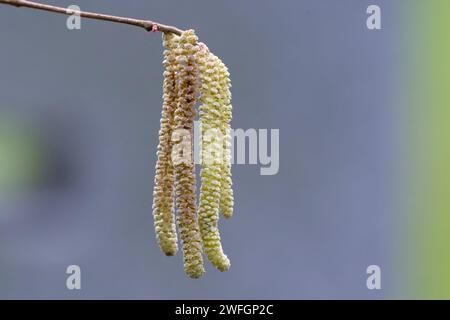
(163, 202)
(211, 158)
(184, 164)
(227, 197)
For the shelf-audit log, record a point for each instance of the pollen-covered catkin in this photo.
(163, 201)
(183, 155)
(211, 157)
(227, 198)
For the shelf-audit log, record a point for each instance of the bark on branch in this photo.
(148, 25)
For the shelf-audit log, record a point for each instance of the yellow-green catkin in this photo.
(211, 124)
(227, 198)
(163, 201)
(182, 138)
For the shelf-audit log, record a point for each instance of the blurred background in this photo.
(364, 149)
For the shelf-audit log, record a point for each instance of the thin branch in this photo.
(146, 24)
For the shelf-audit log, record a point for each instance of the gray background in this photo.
(93, 99)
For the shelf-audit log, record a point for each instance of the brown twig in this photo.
(146, 24)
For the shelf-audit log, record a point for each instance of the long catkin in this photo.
(184, 164)
(211, 120)
(227, 197)
(163, 201)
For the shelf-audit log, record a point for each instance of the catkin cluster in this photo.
(193, 74)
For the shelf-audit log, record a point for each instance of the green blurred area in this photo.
(21, 158)
(430, 150)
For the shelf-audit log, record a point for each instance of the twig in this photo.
(146, 24)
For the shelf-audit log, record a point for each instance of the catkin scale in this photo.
(184, 167)
(163, 204)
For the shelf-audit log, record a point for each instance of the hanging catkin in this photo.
(212, 121)
(163, 211)
(227, 198)
(183, 155)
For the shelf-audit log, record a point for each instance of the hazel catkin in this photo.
(183, 155)
(227, 197)
(163, 202)
(211, 158)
